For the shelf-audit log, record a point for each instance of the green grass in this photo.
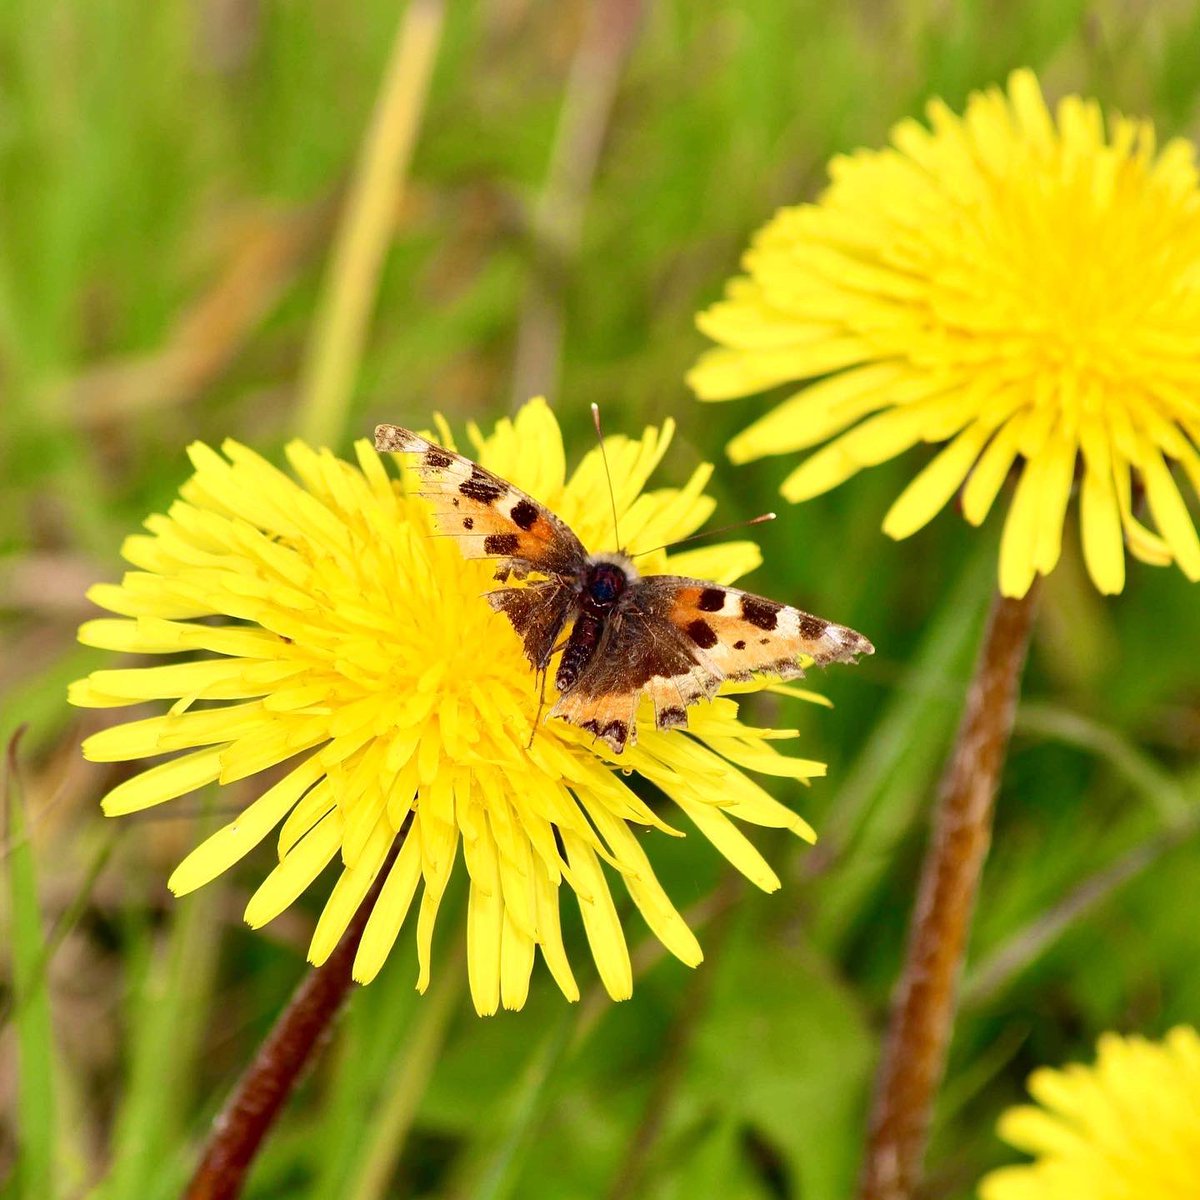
(29, 1001)
(167, 176)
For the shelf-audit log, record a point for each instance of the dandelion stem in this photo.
(922, 1016)
(370, 215)
(251, 1111)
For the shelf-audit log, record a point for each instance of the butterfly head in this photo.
(606, 578)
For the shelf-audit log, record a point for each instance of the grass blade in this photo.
(1140, 771)
(407, 1083)
(497, 1174)
(885, 792)
(36, 1112)
(168, 1012)
(349, 296)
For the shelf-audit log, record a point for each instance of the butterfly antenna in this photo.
(607, 473)
(708, 533)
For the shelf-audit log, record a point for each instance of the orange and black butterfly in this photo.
(676, 639)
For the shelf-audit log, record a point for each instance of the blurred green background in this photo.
(172, 179)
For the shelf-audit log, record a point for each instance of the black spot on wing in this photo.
(701, 632)
(524, 514)
(501, 543)
(670, 718)
(764, 614)
(739, 644)
(468, 522)
(615, 734)
(437, 458)
(712, 599)
(481, 487)
(812, 627)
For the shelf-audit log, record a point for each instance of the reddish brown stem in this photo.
(251, 1111)
(922, 1016)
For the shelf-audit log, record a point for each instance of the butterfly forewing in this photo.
(488, 515)
(738, 633)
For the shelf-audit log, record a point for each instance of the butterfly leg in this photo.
(541, 673)
(541, 708)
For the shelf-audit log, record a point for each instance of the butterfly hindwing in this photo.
(538, 613)
(641, 652)
(488, 516)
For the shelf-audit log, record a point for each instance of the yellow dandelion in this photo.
(1017, 287)
(346, 648)
(1127, 1128)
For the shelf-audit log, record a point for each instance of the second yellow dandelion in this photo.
(1019, 287)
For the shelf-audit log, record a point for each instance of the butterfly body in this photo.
(604, 590)
(672, 638)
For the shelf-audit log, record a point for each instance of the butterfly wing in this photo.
(639, 652)
(538, 613)
(678, 639)
(739, 634)
(488, 515)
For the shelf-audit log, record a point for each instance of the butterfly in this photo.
(674, 638)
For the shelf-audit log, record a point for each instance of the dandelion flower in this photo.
(347, 649)
(1020, 289)
(1128, 1127)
